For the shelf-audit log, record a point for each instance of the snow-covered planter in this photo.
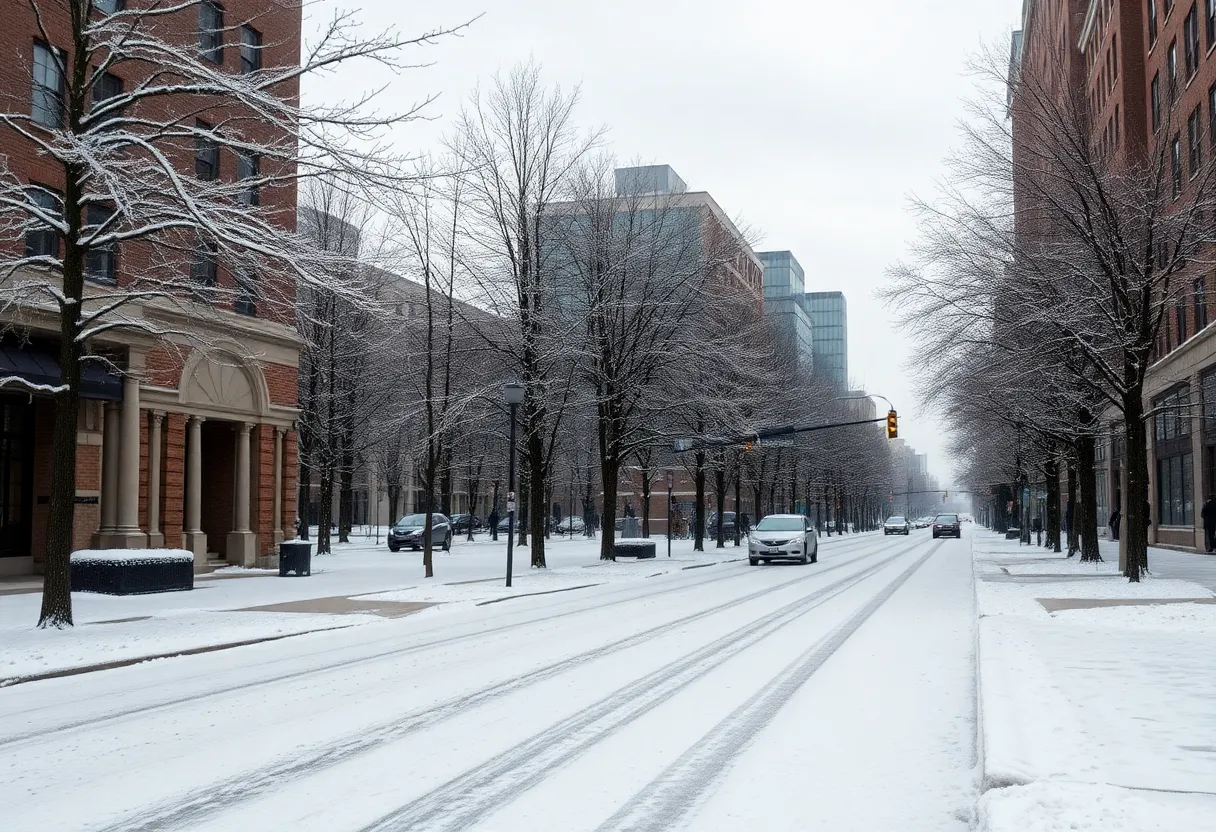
(633, 548)
(132, 571)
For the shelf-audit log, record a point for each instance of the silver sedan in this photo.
(783, 537)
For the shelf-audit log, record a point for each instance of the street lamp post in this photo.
(670, 483)
(514, 395)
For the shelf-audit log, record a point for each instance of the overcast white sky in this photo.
(812, 120)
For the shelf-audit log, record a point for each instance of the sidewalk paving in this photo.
(1095, 699)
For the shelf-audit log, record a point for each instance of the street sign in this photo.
(511, 501)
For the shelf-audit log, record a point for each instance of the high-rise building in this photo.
(784, 288)
(830, 329)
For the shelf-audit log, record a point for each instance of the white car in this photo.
(897, 525)
(783, 537)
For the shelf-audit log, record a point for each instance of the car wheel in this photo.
(447, 543)
(393, 548)
(753, 561)
(805, 560)
(935, 535)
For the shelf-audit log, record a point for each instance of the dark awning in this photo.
(40, 365)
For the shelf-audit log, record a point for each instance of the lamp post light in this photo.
(513, 394)
(670, 483)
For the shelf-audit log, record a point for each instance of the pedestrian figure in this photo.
(1208, 513)
(494, 523)
(1115, 518)
(745, 523)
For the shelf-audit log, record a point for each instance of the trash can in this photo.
(295, 556)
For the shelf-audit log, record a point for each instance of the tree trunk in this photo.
(524, 506)
(537, 479)
(1136, 508)
(738, 502)
(57, 578)
(1072, 510)
(1051, 470)
(325, 513)
(699, 512)
(720, 488)
(346, 495)
(304, 500)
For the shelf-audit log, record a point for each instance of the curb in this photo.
(117, 663)
(530, 594)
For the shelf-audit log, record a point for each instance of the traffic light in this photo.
(892, 425)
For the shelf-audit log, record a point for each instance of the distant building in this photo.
(784, 288)
(830, 329)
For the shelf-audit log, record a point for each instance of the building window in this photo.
(1152, 23)
(100, 261)
(1175, 501)
(1154, 94)
(108, 6)
(41, 239)
(1190, 35)
(1171, 65)
(251, 50)
(47, 109)
(1176, 165)
(211, 31)
(105, 86)
(1173, 419)
(248, 168)
(1180, 319)
(1194, 142)
(1114, 56)
(1209, 402)
(204, 269)
(246, 292)
(206, 154)
(1201, 305)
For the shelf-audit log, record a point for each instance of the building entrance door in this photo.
(16, 476)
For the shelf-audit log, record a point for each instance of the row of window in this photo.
(101, 261)
(49, 62)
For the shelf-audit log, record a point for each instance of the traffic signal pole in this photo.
(701, 443)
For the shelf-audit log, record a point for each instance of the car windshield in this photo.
(413, 520)
(781, 524)
(947, 518)
(896, 520)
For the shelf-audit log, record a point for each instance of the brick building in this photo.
(1147, 70)
(192, 443)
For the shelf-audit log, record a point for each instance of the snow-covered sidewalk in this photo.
(1096, 712)
(361, 584)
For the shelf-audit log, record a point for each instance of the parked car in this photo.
(897, 525)
(504, 524)
(461, 522)
(783, 537)
(571, 525)
(947, 525)
(729, 519)
(410, 530)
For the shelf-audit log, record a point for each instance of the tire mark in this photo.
(467, 799)
(183, 810)
(670, 797)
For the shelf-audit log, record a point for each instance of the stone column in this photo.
(242, 543)
(193, 538)
(156, 539)
(278, 484)
(126, 533)
(109, 474)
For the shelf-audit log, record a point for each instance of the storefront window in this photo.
(1173, 417)
(1175, 498)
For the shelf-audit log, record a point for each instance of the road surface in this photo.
(834, 696)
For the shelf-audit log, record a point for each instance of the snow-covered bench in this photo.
(132, 571)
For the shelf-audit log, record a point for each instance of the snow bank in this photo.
(1068, 807)
(131, 555)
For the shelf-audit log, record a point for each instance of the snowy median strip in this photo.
(1093, 716)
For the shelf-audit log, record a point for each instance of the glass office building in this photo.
(784, 289)
(830, 327)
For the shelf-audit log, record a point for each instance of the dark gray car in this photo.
(409, 531)
(947, 525)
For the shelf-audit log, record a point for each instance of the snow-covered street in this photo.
(835, 696)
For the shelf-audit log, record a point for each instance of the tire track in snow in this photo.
(182, 811)
(467, 799)
(669, 798)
